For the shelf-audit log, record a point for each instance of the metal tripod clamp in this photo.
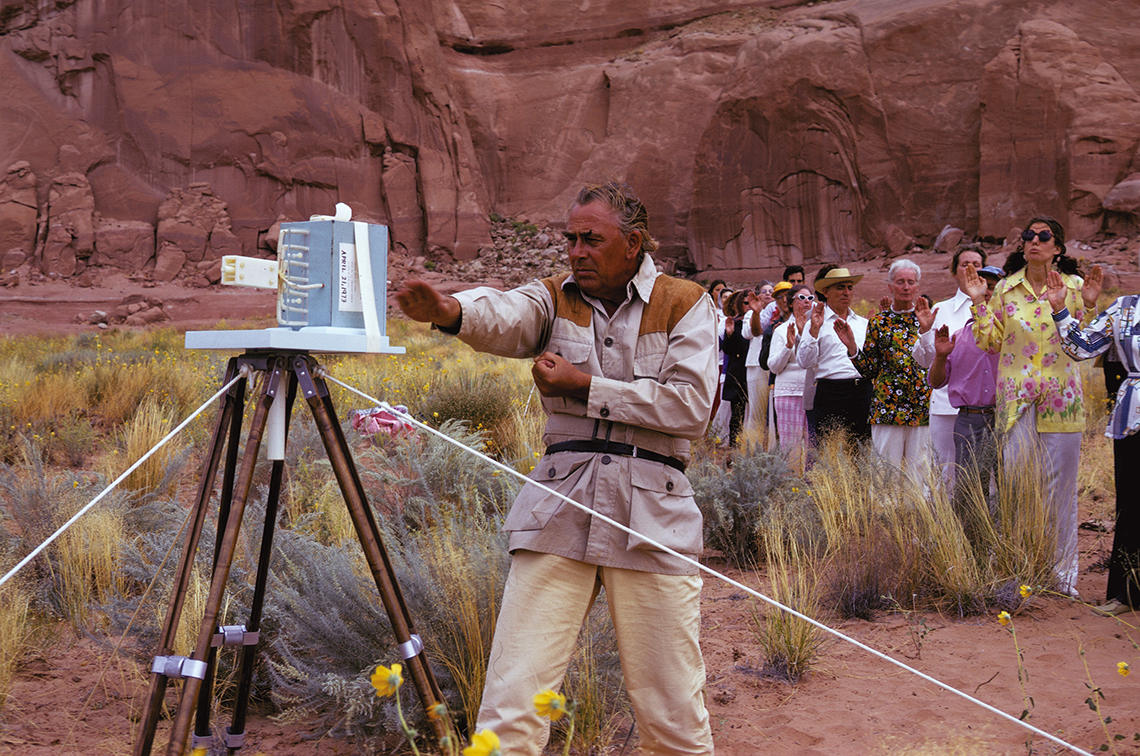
(235, 635)
(179, 667)
(412, 647)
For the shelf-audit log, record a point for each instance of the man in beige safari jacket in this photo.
(625, 360)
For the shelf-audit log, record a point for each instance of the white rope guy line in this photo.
(527, 481)
(121, 478)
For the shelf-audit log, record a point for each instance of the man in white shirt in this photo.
(952, 313)
(835, 335)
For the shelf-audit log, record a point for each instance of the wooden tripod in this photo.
(284, 371)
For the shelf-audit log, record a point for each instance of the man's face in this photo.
(991, 284)
(602, 259)
(796, 278)
(839, 296)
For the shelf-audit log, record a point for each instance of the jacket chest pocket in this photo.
(649, 355)
(576, 351)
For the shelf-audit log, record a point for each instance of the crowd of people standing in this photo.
(944, 385)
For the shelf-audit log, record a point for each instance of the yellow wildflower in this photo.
(1026, 591)
(387, 680)
(438, 711)
(550, 704)
(483, 743)
(1004, 618)
(1123, 669)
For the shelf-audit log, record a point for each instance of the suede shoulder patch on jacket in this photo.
(568, 304)
(670, 300)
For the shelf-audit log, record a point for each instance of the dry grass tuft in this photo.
(150, 424)
(790, 644)
(14, 630)
(89, 557)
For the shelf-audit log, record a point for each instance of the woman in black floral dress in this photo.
(900, 405)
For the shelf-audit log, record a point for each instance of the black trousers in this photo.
(1124, 566)
(843, 403)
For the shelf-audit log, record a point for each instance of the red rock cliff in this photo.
(159, 135)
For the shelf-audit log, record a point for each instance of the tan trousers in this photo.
(657, 622)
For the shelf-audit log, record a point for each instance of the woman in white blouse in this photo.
(788, 391)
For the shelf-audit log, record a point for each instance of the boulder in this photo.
(948, 239)
(1125, 196)
(168, 262)
(70, 225)
(18, 211)
(190, 217)
(127, 245)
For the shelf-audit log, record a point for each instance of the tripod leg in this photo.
(228, 416)
(317, 395)
(225, 499)
(192, 686)
(236, 732)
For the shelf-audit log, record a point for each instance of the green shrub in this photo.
(736, 502)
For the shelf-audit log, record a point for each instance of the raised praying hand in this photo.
(1090, 290)
(816, 319)
(846, 336)
(924, 314)
(973, 286)
(943, 341)
(1055, 290)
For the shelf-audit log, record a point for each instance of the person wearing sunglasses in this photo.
(1041, 408)
(789, 390)
(1117, 326)
(900, 408)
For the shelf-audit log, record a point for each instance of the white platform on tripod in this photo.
(325, 339)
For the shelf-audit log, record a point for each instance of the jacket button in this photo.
(604, 412)
(606, 460)
(551, 472)
(669, 486)
(608, 342)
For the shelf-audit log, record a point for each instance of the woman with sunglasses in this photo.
(1118, 326)
(1040, 402)
(788, 391)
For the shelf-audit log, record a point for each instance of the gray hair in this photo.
(904, 264)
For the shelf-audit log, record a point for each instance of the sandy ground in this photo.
(76, 698)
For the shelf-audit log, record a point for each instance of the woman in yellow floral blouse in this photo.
(1040, 401)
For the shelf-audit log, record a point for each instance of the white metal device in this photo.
(331, 279)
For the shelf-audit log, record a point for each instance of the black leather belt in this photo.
(618, 450)
(976, 410)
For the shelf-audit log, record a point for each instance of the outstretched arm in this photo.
(423, 303)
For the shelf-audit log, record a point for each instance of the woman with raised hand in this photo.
(789, 388)
(1119, 326)
(1041, 409)
(900, 407)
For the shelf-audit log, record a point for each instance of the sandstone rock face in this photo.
(759, 133)
(1060, 127)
